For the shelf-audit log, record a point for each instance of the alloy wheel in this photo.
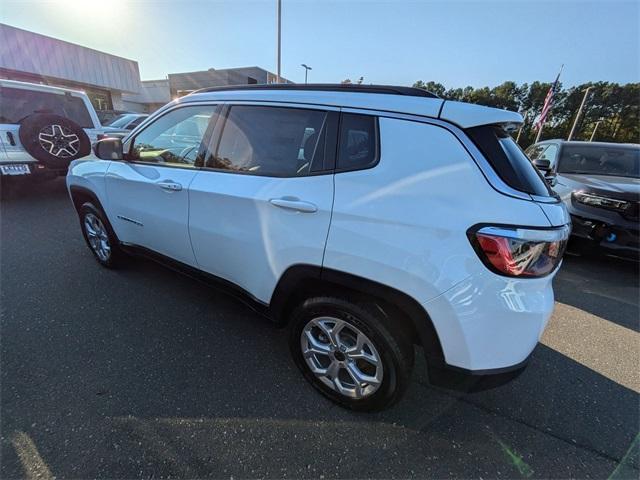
(59, 141)
(342, 357)
(97, 236)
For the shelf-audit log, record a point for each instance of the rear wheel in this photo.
(99, 236)
(351, 352)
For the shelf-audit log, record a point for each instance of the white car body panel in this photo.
(384, 226)
(467, 115)
(238, 235)
(488, 321)
(145, 214)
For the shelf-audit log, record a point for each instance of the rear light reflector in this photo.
(520, 252)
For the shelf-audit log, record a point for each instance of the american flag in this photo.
(548, 102)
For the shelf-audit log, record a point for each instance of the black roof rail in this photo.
(327, 87)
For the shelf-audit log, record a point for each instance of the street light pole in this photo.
(306, 71)
(593, 134)
(279, 39)
(575, 122)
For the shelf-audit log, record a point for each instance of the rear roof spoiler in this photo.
(467, 115)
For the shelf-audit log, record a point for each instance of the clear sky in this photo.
(457, 43)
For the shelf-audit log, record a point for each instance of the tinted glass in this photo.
(550, 153)
(121, 121)
(508, 160)
(116, 121)
(174, 138)
(269, 141)
(136, 122)
(17, 104)
(600, 160)
(534, 151)
(358, 143)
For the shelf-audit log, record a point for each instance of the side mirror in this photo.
(108, 149)
(542, 164)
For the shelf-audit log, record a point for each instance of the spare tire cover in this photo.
(53, 140)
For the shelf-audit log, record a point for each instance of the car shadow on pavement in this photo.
(191, 383)
(144, 372)
(603, 286)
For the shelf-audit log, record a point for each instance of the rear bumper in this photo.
(454, 378)
(488, 326)
(37, 169)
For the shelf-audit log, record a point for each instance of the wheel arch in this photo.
(80, 195)
(302, 281)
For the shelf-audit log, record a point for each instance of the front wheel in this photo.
(351, 352)
(99, 236)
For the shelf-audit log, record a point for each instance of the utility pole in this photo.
(279, 39)
(306, 71)
(575, 122)
(593, 134)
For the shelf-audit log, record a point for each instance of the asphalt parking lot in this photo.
(143, 373)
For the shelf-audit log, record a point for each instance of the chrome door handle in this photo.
(291, 204)
(170, 186)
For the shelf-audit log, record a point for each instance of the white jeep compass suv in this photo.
(368, 219)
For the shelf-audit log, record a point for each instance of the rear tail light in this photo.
(520, 252)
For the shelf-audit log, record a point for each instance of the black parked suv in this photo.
(600, 184)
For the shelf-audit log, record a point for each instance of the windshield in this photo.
(121, 121)
(609, 160)
(17, 103)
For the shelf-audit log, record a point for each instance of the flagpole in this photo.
(539, 133)
(524, 122)
(552, 86)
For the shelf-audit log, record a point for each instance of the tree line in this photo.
(615, 106)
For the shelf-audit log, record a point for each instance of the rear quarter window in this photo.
(358, 147)
(508, 160)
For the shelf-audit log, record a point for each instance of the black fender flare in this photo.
(300, 281)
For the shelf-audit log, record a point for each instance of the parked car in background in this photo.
(337, 210)
(600, 184)
(127, 121)
(43, 128)
(107, 116)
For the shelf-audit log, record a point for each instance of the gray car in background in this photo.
(600, 184)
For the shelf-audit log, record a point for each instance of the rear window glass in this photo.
(17, 104)
(600, 160)
(508, 160)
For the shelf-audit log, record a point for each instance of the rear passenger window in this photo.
(270, 141)
(358, 142)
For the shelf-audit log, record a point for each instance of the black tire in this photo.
(53, 140)
(88, 211)
(395, 351)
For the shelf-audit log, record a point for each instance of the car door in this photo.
(148, 192)
(262, 201)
